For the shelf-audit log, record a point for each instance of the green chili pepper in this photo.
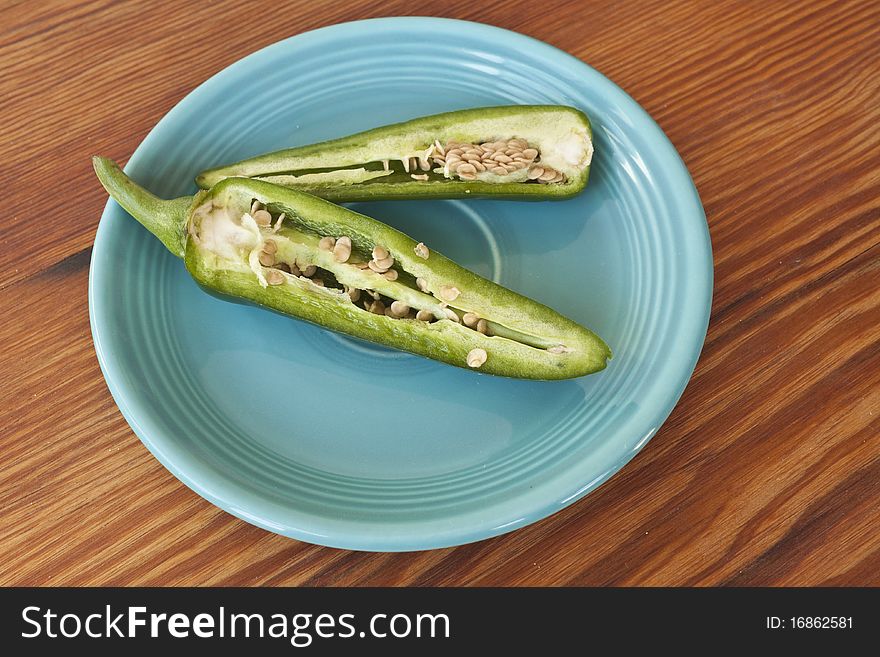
(520, 151)
(308, 258)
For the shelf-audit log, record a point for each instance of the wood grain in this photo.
(768, 470)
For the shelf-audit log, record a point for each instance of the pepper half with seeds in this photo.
(306, 257)
(519, 151)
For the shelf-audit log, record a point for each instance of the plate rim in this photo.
(352, 540)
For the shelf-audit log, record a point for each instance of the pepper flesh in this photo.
(351, 168)
(216, 237)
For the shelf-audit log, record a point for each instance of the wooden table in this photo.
(768, 470)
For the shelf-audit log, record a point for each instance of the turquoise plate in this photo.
(338, 442)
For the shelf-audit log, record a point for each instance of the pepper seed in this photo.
(274, 277)
(327, 243)
(424, 316)
(449, 292)
(391, 274)
(470, 319)
(266, 259)
(422, 284)
(309, 271)
(399, 309)
(498, 157)
(476, 357)
(483, 327)
(262, 217)
(269, 246)
(422, 251)
(342, 249)
(384, 263)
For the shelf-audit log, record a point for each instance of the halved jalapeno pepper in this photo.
(308, 258)
(520, 151)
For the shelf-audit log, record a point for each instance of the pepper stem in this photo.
(165, 219)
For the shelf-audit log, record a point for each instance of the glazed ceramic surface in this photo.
(339, 442)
